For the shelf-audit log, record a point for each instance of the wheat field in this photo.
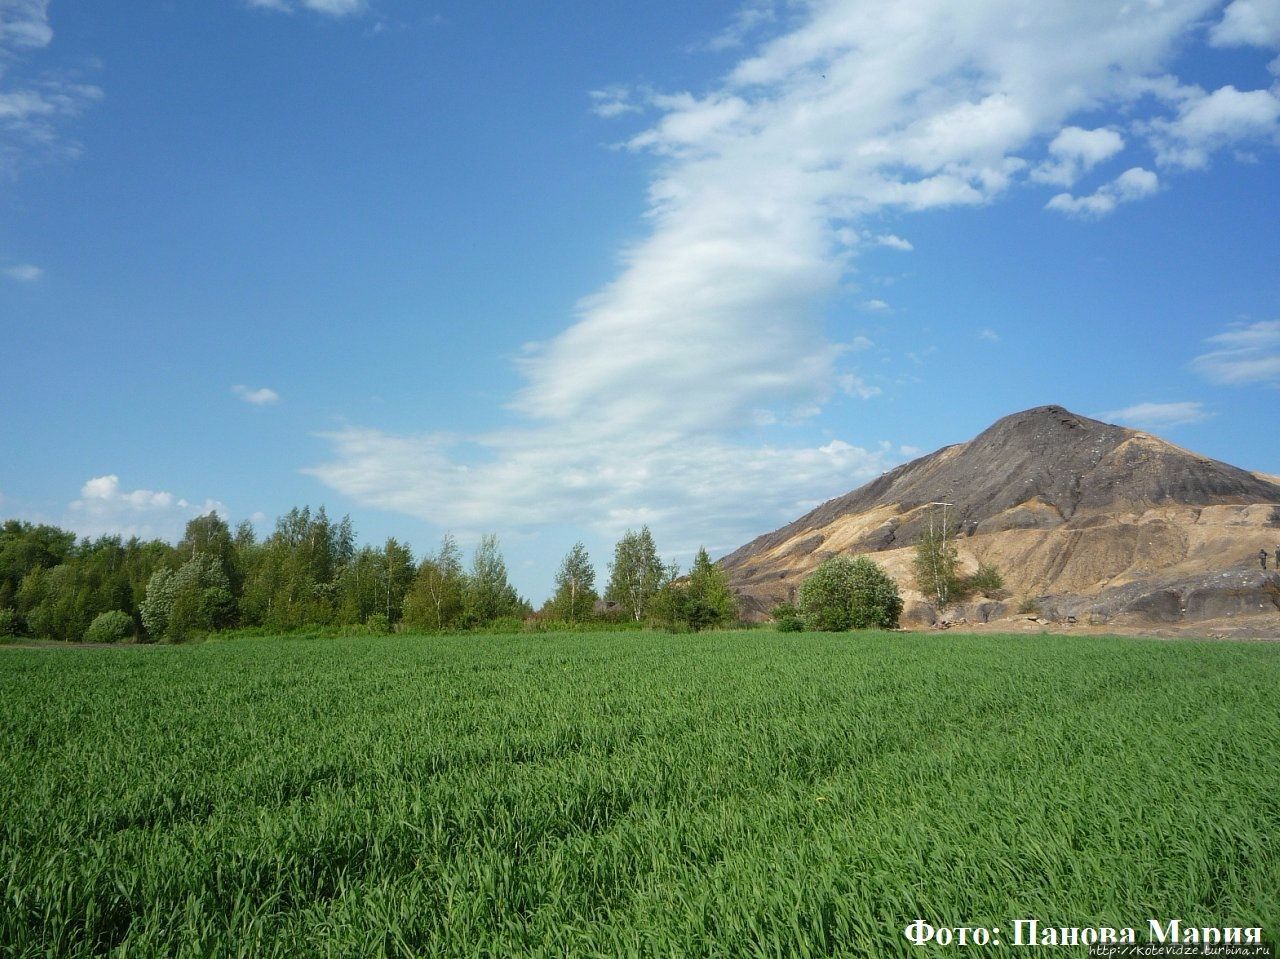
(633, 794)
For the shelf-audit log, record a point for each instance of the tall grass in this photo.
(736, 794)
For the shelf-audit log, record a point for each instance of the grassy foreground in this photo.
(733, 794)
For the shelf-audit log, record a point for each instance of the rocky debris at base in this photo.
(1208, 596)
(1229, 604)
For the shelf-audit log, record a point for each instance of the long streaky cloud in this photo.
(715, 341)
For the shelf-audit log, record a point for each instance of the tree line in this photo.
(309, 572)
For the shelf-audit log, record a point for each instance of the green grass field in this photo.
(730, 794)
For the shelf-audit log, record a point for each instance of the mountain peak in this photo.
(1039, 471)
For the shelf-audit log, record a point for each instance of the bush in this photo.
(784, 611)
(10, 623)
(987, 581)
(786, 618)
(499, 626)
(378, 624)
(845, 593)
(596, 624)
(1029, 605)
(113, 626)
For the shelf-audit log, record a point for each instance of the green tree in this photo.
(636, 573)
(292, 578)
(158, 604)
(435, 598)
(196, 599)
(850, 593)
(669, 606)
(24, 547)
(61, 600)
(396, 576)
(487, 594)
(359, 593)
(211, 535)
(937, 563)
(575, 595)
(711, 602)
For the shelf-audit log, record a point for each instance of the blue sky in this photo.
(558, 269)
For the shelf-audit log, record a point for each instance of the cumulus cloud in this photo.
(1209, 122)
(1253, 23)
(655, 401)
(1243, 355)
(23, 272)
(1075, 151)
(987, 333)
(262, 396)
(105, 508)
(1132, 184)
(1156, 416)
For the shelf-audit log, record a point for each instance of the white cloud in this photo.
(335, 8)
(894, 242)
(332, 8)
(987, 333)
(1248, 23)
(854, 385)
(104, 508)
(1244, 355)
(259, 397)
(25, 23)
(875, 306)
(23, 272)
(1075, 151)
(33, 109)
(751, 17)
(1157, 415)
(1209, 122)
(646, 403)
(1132, 184)
(692, 488)
(612, 101)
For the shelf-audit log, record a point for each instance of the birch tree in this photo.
(636, 573)
(575, 586)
